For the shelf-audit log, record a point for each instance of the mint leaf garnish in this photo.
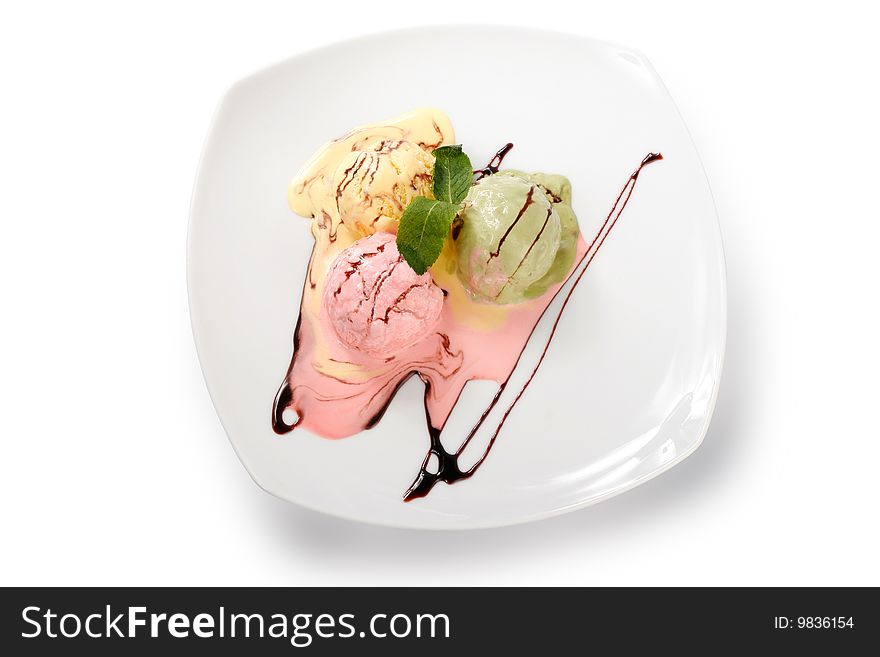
(425, 223)
(453, 174)
(424, 228)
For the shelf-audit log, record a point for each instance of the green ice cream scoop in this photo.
(517, 236)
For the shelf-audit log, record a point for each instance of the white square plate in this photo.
(630, 380)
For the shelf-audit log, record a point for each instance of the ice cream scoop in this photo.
(510, 234)
(374, 185)
(558, 190)
(375, 302)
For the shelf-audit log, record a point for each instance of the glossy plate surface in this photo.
(629, 382)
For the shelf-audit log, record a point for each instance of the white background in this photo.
(115, 469)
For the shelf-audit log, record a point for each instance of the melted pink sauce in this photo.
(452, 355)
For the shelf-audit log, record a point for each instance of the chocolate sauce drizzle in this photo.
(448, 469)
(528, 251)
(436, 144)
(284, 396)
(519, 215)
(494, 164)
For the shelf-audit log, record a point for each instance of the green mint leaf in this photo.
(423, 229)
(453, 174)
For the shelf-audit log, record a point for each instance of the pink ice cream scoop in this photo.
(374, 300)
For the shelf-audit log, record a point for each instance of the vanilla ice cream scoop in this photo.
(375, 302)
(374, 185)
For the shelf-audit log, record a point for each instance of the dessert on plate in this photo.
(423, 266)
